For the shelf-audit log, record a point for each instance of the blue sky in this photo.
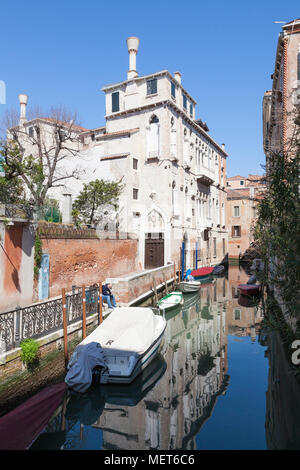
(64, 52)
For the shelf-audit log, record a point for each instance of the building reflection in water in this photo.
(195, 350)
(168, 404)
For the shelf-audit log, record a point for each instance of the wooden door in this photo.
(154, 252)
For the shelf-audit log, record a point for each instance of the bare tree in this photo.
(42, 151)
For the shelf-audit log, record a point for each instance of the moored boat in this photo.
(218, 270)
(118, 350)
(20, 427)
(187, 287)
(171, 300)
(249, 289)
(202, 272)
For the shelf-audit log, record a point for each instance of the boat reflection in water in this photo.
(171, 413)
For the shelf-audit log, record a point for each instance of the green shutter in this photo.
(115, 102)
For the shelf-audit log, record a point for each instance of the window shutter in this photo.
(115, 102)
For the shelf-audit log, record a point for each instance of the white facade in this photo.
(173, 171)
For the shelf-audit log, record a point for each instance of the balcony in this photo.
(204, 179)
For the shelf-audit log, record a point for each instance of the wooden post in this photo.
(155, 290)
(100, 303)
(165, 282)
(83, 313)
(179, 272)
(174, 272)
(65, 325)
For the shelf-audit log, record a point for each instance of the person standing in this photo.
(108, 296)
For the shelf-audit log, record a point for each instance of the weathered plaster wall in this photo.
(16, 266)
(84, 262)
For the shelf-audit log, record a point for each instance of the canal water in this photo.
(214, 386)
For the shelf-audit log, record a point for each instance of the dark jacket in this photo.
(106, 290)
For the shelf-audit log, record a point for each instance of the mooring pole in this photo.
(165, 282)
(65, 325)
(174, 272)
(100, 303)
(83, 313)
(155, 290)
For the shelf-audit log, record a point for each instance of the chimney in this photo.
(23, 103)
(177, 76)
(223, 147)
(132, 45)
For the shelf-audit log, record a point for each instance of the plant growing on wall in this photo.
(95, 194)
(38, 252)
(29, 351)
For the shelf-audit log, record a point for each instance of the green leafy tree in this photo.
(11, 186)
(94, 195)
(277, 229)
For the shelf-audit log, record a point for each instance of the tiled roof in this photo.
(238, 177)
(112, 134)
(232, 193)
(73, 126)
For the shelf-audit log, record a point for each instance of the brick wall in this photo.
(84, 262)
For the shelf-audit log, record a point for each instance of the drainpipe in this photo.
(182, 261)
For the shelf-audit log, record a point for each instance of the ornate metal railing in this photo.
(51, 230)
(22, 211)
(38, 320)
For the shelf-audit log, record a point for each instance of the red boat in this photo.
(19, 428)
(249, 289)
(202, 272)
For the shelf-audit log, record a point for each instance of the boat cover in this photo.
(20, 427)
(202, 272)
(128, 331)
(82, 363)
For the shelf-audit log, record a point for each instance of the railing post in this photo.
(65, 325)
(100, 319)
(83, 313)
(18, 324)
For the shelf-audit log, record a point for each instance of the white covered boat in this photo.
(117, 350)
(170, 301)
(188, 287)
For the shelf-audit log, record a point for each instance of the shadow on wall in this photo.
(12, 259)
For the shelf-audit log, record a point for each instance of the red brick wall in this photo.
(84, 262)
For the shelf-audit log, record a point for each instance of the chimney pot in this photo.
(23, 103)
(132, 46)
(177, 76)
(223, 147)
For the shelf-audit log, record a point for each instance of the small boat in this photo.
(20, 427)
(249, 289)
(118, 350)
(218, 270)
(170, 301)
(187, 287)
(202, 272)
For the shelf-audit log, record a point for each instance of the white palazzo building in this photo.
(173, 171)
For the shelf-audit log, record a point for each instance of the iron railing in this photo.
(38, 320)
(22, 211)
